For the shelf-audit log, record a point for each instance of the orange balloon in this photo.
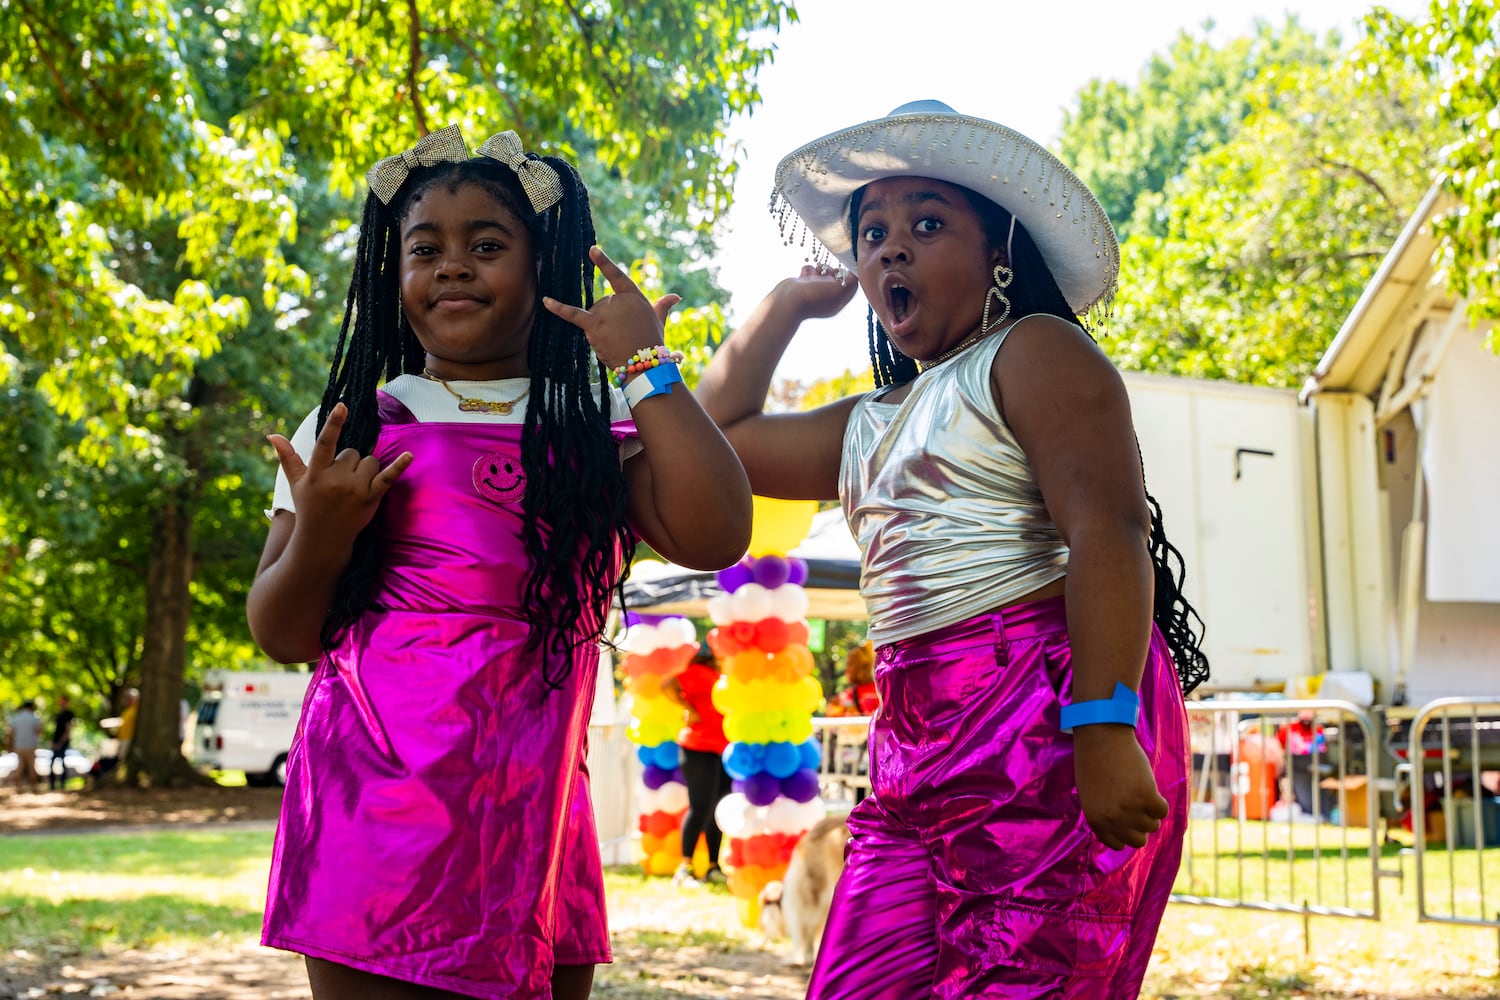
(791, 664)
(797, 633)
(644, 686)
(651, 843)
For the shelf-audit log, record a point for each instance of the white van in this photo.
(246, 722)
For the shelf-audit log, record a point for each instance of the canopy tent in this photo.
(832, 557)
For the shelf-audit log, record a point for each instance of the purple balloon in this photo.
(736, 576)
(772, 571)
(802, 786)
(762, 789)
(636, 618)
(654, 777)
(797, 571)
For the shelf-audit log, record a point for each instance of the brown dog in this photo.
(798, 906)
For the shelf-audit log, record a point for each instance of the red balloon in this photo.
(723, 643)
(743, 633)
(660, 823)
(771, 634)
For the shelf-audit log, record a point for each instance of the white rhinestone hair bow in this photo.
(443, 146)
(543, 187)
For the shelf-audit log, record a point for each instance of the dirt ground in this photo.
(644, 968)
(113, 807)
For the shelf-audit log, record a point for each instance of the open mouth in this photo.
(900, 302)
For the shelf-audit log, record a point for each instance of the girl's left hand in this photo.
(1116, 787)
(619, 324)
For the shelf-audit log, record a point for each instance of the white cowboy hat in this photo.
(930, 139)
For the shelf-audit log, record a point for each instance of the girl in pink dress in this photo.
(1029, 757)
(449, 527)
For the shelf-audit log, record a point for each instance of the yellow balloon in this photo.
(778, 526)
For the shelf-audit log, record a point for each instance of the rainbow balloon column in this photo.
(768, 696)
(653, 655)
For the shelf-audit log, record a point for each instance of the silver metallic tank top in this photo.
(943, 503)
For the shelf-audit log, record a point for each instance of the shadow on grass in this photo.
(81, 926)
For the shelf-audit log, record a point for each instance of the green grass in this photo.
(201, 892)
(83, 893)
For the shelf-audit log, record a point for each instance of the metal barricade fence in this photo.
(1465, 830)
(843, 772)
(1284, 814)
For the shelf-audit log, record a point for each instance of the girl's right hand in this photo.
(816, 293)
(338, 494)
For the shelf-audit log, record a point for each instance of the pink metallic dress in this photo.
(436, 825)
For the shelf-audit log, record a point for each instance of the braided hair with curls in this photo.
(575, 550)
(1034, 290)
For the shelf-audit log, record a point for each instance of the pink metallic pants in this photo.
(971, 870)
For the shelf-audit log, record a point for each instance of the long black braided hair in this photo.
(575, 549)
(1034, 290)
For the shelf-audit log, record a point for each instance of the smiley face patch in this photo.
(498, 476)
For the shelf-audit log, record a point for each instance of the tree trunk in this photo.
(155, 755)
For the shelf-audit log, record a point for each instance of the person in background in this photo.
(1304, 741)
(702, 743)
(126, 733)
(25, 732)
(62, 739)
(859, 697)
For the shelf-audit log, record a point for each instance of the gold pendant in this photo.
(469, 405)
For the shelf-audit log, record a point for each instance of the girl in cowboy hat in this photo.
(444, 545)
(1029, 759)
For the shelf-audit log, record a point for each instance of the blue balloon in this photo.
(741, 760)
(801, 786)
(666, 756)
(646, 755)
(811, 753)
(655, 777)
(782, 759)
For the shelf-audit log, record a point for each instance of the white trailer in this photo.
(246, 722)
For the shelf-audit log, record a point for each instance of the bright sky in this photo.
(1020, 63)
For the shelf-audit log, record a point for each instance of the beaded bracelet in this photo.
(646, 357)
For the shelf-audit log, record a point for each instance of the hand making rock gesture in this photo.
(621, 323)
(338, 493)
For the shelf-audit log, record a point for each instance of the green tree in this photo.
(182, 177)
(1129, 141)
(1246, 261)
(1454, 49)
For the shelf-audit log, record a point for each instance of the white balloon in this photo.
(789, 602)
(672, 797)
(733, 814)
(752, 602)
(811, 813)
(756, 824)
(783, 816)
(721, 610)
(640, 638)
(677, 632)
(648, 798)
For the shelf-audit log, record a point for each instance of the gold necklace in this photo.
(469, 404)
(967, 343)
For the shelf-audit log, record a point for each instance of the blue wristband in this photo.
(652, 382)
(1123, 707)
